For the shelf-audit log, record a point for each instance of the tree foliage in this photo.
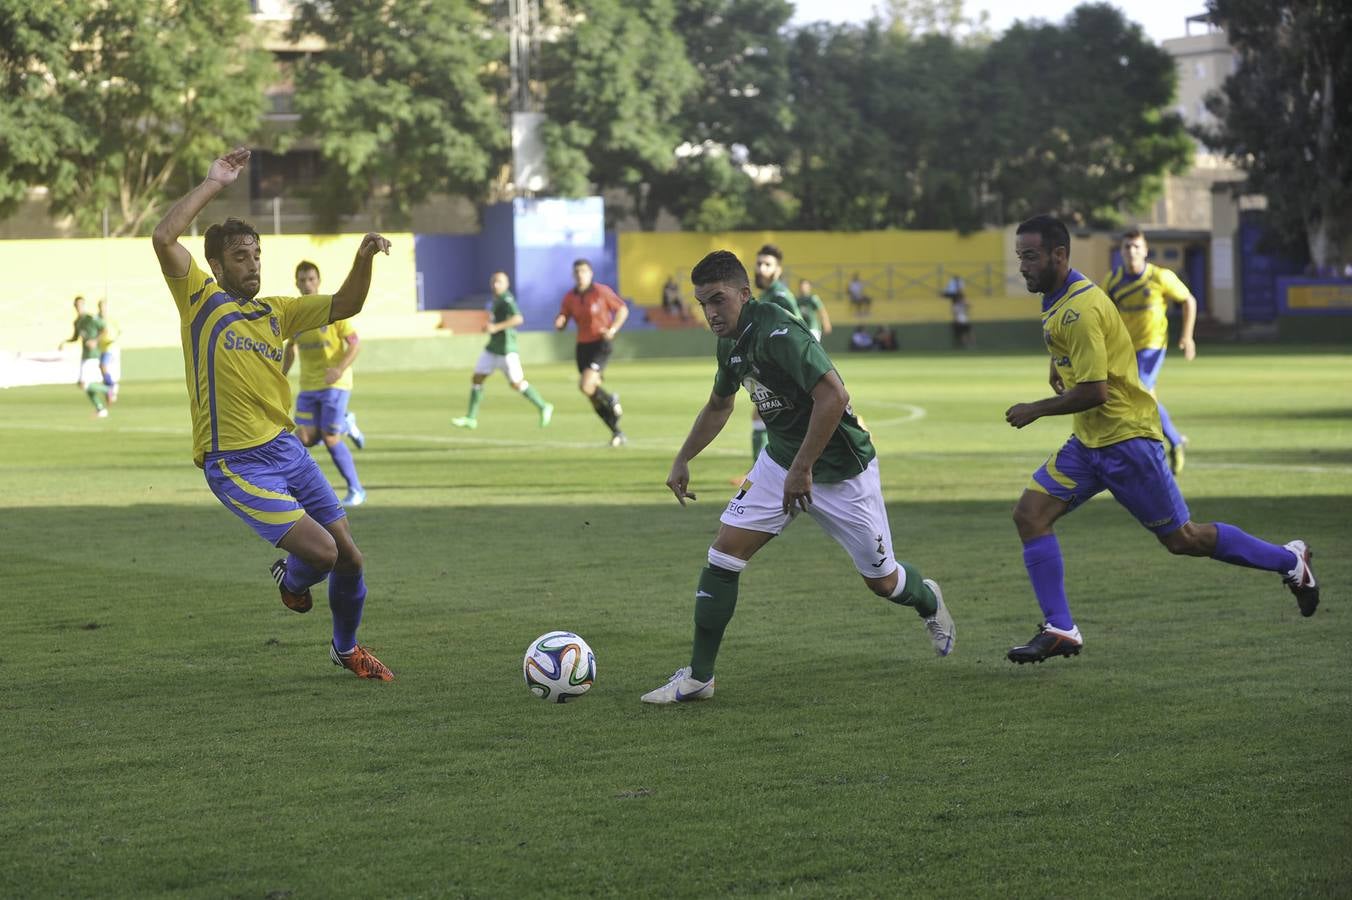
(34, 43)
(615, 82)
(407, 100)
(1286, 114)
(738, 118)
(142, 91)
(1075, 118)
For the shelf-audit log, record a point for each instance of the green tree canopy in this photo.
(615, 82)
(1286, 114)
(144, 91)
(406, 100)
(34, 46)
(1073, 119)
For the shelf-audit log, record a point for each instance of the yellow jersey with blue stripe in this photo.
(1088, 342)
(1143, 302)
(109, 335)
(232, 356)
(324, 348)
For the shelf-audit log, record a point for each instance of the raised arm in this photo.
(710, 421)
(174, 257)
(348, 299)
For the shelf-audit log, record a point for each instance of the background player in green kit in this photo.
(86, 333)
(500, 353)
(769, 280)
(813, 310)
(818, 460)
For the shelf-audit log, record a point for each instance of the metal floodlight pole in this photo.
(523, 20)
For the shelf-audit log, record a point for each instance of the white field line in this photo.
(910, 413)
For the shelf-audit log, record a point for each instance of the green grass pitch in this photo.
(170, 730)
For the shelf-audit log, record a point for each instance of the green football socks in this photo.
(759, 437)
(531, 394)
(915, 593)
(97, 393)
(715, 600)
(476, 396)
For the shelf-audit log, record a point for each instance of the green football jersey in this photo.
(87, 328)
(779, 362)
(809, 308)
(780, 295)
(504, 342)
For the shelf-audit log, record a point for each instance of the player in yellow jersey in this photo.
(1115, 446)
(110, 354)
(326, 355)
(1142, 292)
(240, 400)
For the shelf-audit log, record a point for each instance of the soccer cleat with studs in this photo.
(1301, 579)
(358, 438)
(1178, 455)
(1048, 642)
(465, 422)
(943, 634)
(618, 439)
(301, 602)
(361, 662)
(680, 688)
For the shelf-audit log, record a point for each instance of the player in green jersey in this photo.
(769, 281)
(813, 310)
(86, 333)
(817, 460)
(500, 353)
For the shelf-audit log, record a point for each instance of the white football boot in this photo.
(681, 688)
(940, 626)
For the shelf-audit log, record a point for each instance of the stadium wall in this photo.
(45, 275)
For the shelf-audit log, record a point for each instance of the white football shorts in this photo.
(509, 364)
(851, 511)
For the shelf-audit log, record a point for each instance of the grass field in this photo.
(171, 730)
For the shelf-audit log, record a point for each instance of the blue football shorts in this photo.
(1136, 472)
(324, 410)
(272, 486)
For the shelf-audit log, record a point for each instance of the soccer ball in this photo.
(559, 666)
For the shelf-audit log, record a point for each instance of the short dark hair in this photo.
(1132, 233)
(305, 264)
(582, 262)
(218, 235)
(1052, 231)
(720, 266)
(771, 250)
(79, 298)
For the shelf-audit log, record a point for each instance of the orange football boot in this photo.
(361, 662)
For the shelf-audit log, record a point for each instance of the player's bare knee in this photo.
(350, 559)
(331, 440)
(1027, 521)
(1184, 541)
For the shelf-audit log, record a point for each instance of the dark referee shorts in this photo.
(593, 355)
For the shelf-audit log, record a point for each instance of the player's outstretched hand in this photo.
(1021, 414)
(1189, 348)
(372, 244)
(679, 481)
(226, 168)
